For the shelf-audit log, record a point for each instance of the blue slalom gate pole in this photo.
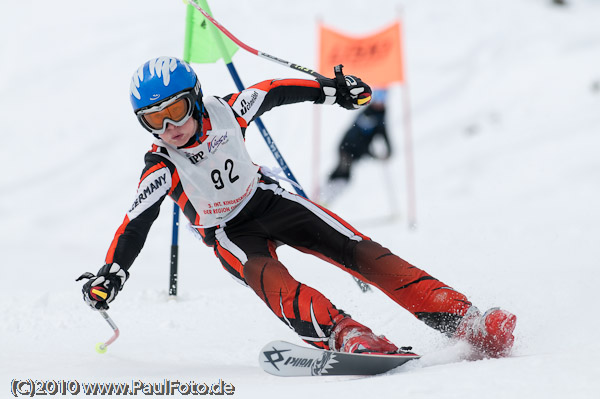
(174, 252)
(263, 131)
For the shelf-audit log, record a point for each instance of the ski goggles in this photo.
(176, 111)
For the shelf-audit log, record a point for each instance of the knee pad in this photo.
(267, 274)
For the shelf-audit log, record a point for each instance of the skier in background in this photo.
(356, 143)
(199, 159)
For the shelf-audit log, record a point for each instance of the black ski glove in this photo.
(347, 91)
(103, 287)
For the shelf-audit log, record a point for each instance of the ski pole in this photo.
(252, 50)
(261, 127)
(101, 347)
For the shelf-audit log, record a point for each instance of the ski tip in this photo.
(271, 355)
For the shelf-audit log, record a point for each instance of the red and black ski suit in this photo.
(265, 216)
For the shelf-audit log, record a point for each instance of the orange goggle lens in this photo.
(174, 112)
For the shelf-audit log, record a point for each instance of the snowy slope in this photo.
(504, 97)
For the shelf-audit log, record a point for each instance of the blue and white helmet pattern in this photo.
(160, 79)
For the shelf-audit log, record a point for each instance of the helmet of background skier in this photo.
(379, 96)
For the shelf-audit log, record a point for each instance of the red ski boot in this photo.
(351, 336)
(490, 333)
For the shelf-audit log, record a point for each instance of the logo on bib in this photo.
(216, 142)
(195, 158)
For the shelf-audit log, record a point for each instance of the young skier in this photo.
(199, 159)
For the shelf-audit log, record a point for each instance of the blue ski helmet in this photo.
(162, 79)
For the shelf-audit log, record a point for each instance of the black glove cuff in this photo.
(325, 83)
(115, 273)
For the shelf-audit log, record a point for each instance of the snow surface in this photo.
(505, 99)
